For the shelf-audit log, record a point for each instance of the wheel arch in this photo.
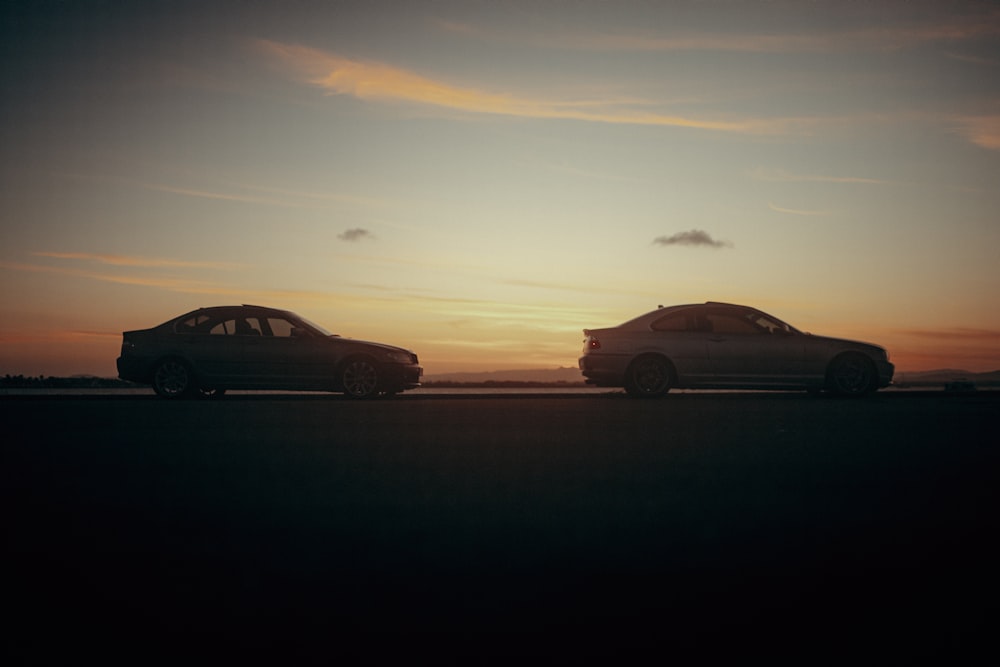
(194, 378)
(828, 380)
(630, 380)
(655, 354)
(360, 356)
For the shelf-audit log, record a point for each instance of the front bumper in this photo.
(885, 373)
(399, 376)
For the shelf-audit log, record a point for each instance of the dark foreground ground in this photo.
(531, 527)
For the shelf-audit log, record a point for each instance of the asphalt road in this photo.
(305, 525)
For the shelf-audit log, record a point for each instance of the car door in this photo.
(743, 353)
(306, 360)
(262, 364)
(213, 350)
(677, 336)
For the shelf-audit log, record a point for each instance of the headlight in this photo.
(399, 357)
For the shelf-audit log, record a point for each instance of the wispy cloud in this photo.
(207, 194)
(983, 131)
(135, 261)
(171, 284)
(355, 235)
(694, 237)
(569, 287)
(782, 176)
(950, 29)
(795, 211)
(972, 59)
(958, 334)
(381, 82)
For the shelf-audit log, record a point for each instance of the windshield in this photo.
(770, 323)
(312, 325)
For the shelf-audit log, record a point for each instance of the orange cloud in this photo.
(956, 334)
(983, 131)
(125, 260)
(384, 83)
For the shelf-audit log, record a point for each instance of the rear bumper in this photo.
(603, 370)
(133, 370)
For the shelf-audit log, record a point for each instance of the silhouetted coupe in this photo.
(726, 346)
(210, 350)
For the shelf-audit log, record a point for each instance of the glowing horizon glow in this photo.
(480, 182)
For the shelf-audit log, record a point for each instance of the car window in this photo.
(194, 324)
(237, 326)
(768, 324)
(672, 322)
(280, 327)
(223, 328)
(727, 323)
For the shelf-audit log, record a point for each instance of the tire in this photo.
(648, 377)
(211, 393)
(173, 378)
(360, 378)
(851, 375)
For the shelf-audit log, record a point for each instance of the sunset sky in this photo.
(479, 181)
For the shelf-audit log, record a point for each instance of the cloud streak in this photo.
(379, 82)
(961, 334)
(950, 29)
(135, 261)
(782, 176)
(694, 237)
(793, 211)
(983, 131)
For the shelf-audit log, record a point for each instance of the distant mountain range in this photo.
(564, 375)
(539, 375)
(940, 377)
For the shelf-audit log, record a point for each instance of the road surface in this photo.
(299, 524)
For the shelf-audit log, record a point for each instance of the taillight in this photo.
(593, 344)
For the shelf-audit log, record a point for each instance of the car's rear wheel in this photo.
(648, 377)
(360, 378)
(173, 378)
(851, 375)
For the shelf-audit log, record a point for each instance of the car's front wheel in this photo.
(851, 375)
(648, 377)
(211, 393)
(360, 378)
(173, 378)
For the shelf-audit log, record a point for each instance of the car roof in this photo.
(662, 310)
(246, 307)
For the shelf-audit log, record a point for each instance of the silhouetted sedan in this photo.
(210, 350)
(726, 346)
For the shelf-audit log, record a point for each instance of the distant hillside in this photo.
(940, 377)
(573, 376)
(537, 375)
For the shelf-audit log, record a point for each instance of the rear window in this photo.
(199, 323)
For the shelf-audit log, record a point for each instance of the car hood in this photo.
(844, 342)
(368, 343)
